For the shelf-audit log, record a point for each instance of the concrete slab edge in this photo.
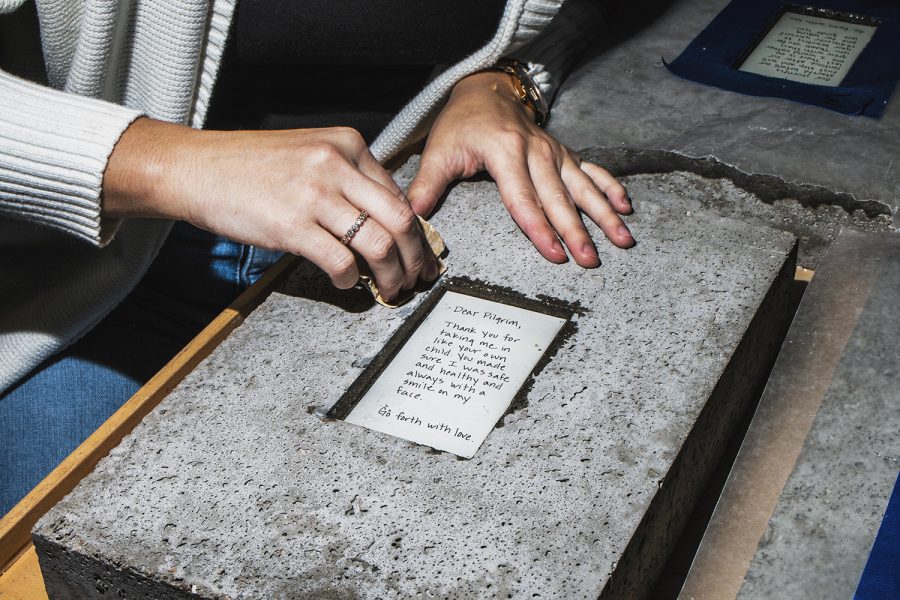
(741, 384)
(97, 580)
(623, 161)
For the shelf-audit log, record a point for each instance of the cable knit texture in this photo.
(107, 63)
(10, 5)
(50, 167)
(521, 22)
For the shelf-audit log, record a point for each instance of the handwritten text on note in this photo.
(457, 374)
(809, 49)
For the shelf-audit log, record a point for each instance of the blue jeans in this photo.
(50, 412)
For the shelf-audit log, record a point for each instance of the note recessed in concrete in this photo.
(458, 372)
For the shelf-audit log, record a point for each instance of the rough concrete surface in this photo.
(651, 120)
(822, 530)
(234, 488)
(815, 227)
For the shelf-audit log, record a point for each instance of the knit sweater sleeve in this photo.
(553, 54)
(7, 6)
(54, 147)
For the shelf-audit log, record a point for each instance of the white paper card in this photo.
(457, 374)
(809, 49)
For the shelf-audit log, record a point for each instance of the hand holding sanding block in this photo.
(435, 242)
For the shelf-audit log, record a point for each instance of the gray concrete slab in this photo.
(803, 503)
(234, 488)
(651, 120)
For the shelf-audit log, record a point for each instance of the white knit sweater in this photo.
(108, 62)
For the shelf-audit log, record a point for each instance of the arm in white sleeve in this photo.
(54, 148)
(553, 54)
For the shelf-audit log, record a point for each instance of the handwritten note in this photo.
(457, 374)
(809, 49)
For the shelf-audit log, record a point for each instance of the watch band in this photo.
(526, 89)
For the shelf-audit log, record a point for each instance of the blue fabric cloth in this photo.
(881, 577)
(713, 57)
(48, 414)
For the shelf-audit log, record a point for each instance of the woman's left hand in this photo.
(542, 183)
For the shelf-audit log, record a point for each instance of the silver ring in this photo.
(354, 228)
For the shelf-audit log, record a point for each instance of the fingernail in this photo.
(557, 249)
(622, 230)
(589, 251)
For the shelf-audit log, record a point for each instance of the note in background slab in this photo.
(809, 49)
(457, 374)
(843, 55)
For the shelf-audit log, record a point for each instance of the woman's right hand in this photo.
(297, 191)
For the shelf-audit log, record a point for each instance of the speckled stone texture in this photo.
(823, 527)
(816, 227)
(650, 120)
(234, 488)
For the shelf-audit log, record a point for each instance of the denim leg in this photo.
(48, 414)
(256, 261)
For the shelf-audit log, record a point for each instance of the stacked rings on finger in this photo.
(354, 228)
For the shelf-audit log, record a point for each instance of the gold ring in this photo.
(354, 228)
